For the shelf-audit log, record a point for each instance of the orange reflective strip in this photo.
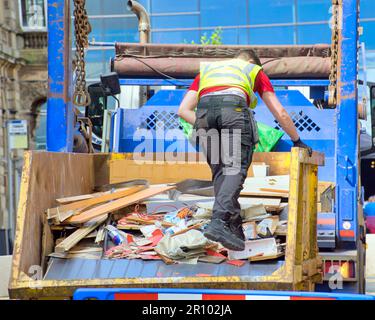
(347, 233)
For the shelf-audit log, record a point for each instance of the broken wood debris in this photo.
(78, 235)
(148, 235)
(117, 204)
(66, 211)
(271, 186)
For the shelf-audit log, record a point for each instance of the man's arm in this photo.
(278, 111)
(187, 106)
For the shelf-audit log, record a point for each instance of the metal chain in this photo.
(81, 30)
(332, 100)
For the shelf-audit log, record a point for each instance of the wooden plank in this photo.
(118, 204)
(274, 190)
(66, 211)
(157, 172)
(129, 226)
(79, 197)
(264, 194)
(78, 235)
(100, 235)
(263, 257)
(190, 166)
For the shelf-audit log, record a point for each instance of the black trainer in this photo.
(219, 231)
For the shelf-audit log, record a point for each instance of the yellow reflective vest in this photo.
(234, 73)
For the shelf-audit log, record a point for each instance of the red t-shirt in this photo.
(262, 84)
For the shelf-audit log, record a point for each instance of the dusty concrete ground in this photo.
(5, 265)
(370, 264)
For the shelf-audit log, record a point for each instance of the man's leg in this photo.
(236, 154)
(209, 142)
(234, 172)
(209, 138)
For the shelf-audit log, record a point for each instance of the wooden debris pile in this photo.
(92, 216)
(117, 224)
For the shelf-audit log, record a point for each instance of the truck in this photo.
(317, 85)
(367, 146)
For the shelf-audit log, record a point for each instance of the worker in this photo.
(219, 101)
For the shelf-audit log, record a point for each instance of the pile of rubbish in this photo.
(146, 222)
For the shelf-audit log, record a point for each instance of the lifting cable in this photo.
(168, 78)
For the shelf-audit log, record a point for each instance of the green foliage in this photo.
(215, 38)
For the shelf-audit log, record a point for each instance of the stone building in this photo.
(23, 80)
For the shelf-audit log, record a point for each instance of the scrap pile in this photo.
(264, 217)
(143, 222)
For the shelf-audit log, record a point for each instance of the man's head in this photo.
(248, 55)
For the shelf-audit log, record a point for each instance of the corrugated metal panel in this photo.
(74, 269)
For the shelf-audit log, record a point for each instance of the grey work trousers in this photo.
(227, 133)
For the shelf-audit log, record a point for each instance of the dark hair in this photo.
(249, 54)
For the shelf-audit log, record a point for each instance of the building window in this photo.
(33, 15)
(38, 124)
(39, 133)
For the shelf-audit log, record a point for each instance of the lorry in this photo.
(317, 85)
(367, 146)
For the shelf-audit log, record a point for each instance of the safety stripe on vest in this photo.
(246, 71)
(206, 68)
(223, 75)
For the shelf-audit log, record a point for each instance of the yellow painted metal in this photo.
(118, 156)
(300, 271)
(20, 219)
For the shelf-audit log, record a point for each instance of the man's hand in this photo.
(300, 144)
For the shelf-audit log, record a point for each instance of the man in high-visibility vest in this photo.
(223, 95)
